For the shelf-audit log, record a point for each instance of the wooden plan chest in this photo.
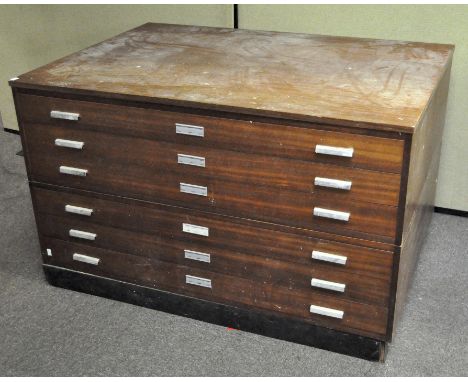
(272, 182)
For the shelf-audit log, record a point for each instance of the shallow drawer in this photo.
(85, 148)
(152, 223)
(369, 152)
(318, 276)
(218, 287)
(282, 206)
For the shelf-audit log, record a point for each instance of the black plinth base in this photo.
(249, 320)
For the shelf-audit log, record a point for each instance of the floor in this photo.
(47, 331)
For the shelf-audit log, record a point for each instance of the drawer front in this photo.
(319, 276)
(275, 205)
(163, 224)
(85, 147)
(382, 154)
(208, 285)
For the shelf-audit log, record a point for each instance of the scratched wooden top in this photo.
(348, 81)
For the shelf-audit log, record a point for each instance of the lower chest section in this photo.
(227, 260)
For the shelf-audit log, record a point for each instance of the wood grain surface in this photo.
(287, 140)
(360, 318)
(162, 158)
(133, 228)
(421, 190)
(264, 100)
(364, 286)
(244, 318)
(229, 198)
(358, 82)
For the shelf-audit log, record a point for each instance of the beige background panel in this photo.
(34, 35)
(427, 23)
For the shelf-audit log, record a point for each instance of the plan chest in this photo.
(276, 183)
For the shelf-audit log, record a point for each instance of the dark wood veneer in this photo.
(261, 128)
(247, 136)
(358, 318)
(364, 285)
(247, 319)
(160, 158)
(279, 206)
(161, 222)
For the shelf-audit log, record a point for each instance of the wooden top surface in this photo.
(348, 81)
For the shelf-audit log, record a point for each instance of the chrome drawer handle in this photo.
(333, 183)
(193, 189)
(206, 283)
(78, 210)
(73, 171)
(197, 256)
(331, 214)
(198, 131)
(64, 115)
(85, 259)
(331, 258)
(326, 311)
(82, 234)
(336, 151)
(324, 284)
(195, 229)
(70, 144)
(191, 160)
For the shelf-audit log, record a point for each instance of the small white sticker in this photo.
(49, 252)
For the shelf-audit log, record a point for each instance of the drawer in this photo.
(361, 318)
(152, 223)
(281, 206)
(202, 163)
(317, 276)
(370, 152)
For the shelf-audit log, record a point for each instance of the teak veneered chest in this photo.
(277, 183)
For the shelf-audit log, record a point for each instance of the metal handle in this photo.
(73, 171)
(78, 210)
(82, 234)
(194, 280)
(49, 252)
(336, 151)
(195, 229)
(191, 160)
(197, 256)
(333, 183)
(85, 259)
(331, 214)
(70, 144)
(64, 115)
(193, 189)
(326, 311)
(182, 128)
(329, 257)
(324, 284)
